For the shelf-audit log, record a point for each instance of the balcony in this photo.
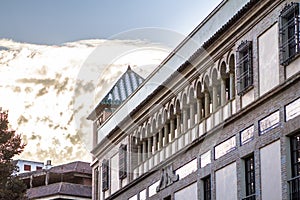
(185, 138)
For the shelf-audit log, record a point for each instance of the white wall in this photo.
(33, 165)
(271, 172)
(248, 98)
(226, 183)
(293, 68)
(189, 192)
(268, 60)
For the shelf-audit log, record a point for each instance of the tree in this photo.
(11, 188)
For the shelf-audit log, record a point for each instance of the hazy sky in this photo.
(44, 45)
(59, 21)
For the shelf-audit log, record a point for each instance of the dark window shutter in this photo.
(250, 68)
(238, 73)
(105, 175)
(122, 161)
(244, 69)
(289, 33)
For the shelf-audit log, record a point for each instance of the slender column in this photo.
(144, 151)
(232, 86)
(155, 142)
(223, 92)
(31, 180)
(178, 125)
(149, 147)
(47, 178)
(140, 154)
(199, 110)
(184, 120)
(192, 114)
(192, 121)
(231, 92)
(166, 134)
(160, 139)
(172, 129)
(214, 100)
(206, 103)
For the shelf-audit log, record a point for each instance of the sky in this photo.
(47, 47)
(56, 21)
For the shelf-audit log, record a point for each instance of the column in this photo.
(223, 98)
(184, 125)
(206, 103)
(192, 114)
(199, 110)
(154, 143)
(47, 178)
(178, 125)
(231, 86)
(167, 146)
(172, 129)
(231, 92)
(166, 134)
(214, 98)
(223, 92)
(149, 147)
(140, 157)
(192, 120)
(145, 167)
(160, 139)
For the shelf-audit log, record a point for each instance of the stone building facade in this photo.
(222, 124)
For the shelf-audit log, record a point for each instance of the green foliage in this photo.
(11, 188)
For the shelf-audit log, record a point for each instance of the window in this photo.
(244, 67)
(27, 168)
(39, 168)
(250, 177)
(122, 161)
(294, 183)
(207, 188)
(289, 33)
(105, 175)
(168, 197)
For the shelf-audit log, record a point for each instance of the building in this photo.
(67, 181)
(222, 121)
(28, 166)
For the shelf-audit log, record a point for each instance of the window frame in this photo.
(105, 175)
(244, 67)
(122, 161)
(295, 153)
(249, 175)
(289, 18)
(27, 167)
(207, 188)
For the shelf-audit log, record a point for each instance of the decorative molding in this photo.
(168, 177)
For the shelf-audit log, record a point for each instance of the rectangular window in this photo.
(249, 177)
(27, 168)
(244, 67)
(289, 33)
(207, 188)
(294, 183)
(122, 161)
(39, 168)
(105, 175)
